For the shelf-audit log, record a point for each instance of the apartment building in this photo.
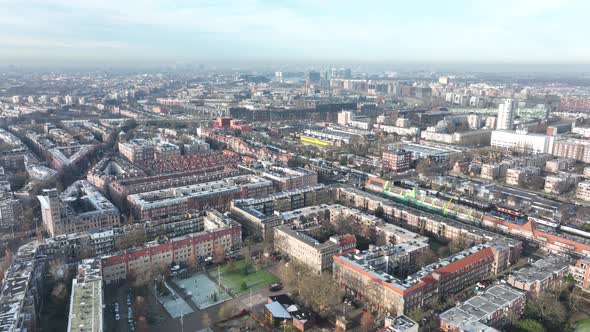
(368, 276)
(580, 270)
(561, 182)
(577, 149)
(11, 211)
(285, 178)
(220, 232)
(473, 225)
(493, 171)
(22, 290)
(119, 189)
(259, 215)
(137, 150)
(559, 164)
(522, 141)
(480, 137)
(301, 246)
(86, 299)
(109, 169)
(166, 150)
(542, 275)
(521, 175)
(396, 161)
(212, 195)
(79, 208)
(583, 191)
(485, 311)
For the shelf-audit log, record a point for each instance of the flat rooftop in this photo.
(86, 299)
(482, 307)
(541, 269)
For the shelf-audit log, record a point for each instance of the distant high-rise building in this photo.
(344, 73)
(506, 114)
(345, 117)
(474, 121)
(552, 104)
(279, 76)
(424, 93)
(314, 77)
(443, 80)
(69, 100)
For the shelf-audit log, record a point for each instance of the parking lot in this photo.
(118, 313)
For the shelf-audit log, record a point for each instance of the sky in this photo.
(337, 31)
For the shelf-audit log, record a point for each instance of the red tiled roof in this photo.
(479, 256)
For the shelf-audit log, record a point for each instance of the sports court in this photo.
(202, 291)
(174, 305)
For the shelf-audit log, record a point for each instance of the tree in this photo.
(244, 285)
(247, 253)
(296, 161)
(193, 262)
(379, 213)
(423, 167)
(582, 212)
(547, 309)
(426, 258)
(367, 321)
(343, 160)
(319, 291)
(529, 325)
(218, 253)
(138, 279)
(139, 307)
(230, 265)
(206, 319)
(58, 269)
(142, 325)
(289, 276)
(566, 210)
(417, 314)
(459, 244)
(226, 311)
(6, 261)
(133, 237)
(535, 183)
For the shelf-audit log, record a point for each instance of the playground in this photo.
(240, 281)
(202, 291)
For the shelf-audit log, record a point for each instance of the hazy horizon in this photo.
(157, 32)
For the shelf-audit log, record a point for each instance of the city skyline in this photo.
(156, 32)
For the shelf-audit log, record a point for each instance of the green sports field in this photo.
(235, 278)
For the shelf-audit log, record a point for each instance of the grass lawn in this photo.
(233, 280)
(583, 325)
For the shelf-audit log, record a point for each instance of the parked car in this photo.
(275, 287)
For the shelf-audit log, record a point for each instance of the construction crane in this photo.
(447, 205)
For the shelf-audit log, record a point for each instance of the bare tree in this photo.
(218, 253)
(367, 321)
(193, 262)
(206, 319)
(426, 258)
(423, 167)
(133, 237)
